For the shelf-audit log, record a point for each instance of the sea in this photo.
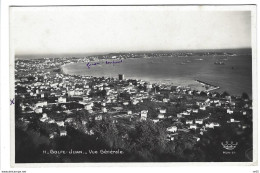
(233, 76)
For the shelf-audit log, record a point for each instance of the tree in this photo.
(202, 93)
(148, 136)
(245, 96)
(224, 94)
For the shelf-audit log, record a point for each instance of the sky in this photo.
(77, 30)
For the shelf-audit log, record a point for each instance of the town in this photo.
(52, 103)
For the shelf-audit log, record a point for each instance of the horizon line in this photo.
(134, 51)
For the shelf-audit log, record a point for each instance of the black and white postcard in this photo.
(133, 84)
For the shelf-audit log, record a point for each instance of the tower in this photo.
(121, 76)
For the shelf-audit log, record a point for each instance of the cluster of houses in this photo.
(102, 96)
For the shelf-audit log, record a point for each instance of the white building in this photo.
(38, 110)
(229, 111)
(144, 114)
(179, 115)
(41, 104)
(199, 121)
(98, 118)
(60, 123)
(63, 133)
(172, 129)
(189, 121)
(44, 117)
(61, 100)
(161, 116)
(162, 111)
(104, 110)
(203, 108)
(193, 126)
(155, 120)
(88, 107)
(195, 110)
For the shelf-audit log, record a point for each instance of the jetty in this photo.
(209, 86)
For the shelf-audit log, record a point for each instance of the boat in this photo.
(219, 63)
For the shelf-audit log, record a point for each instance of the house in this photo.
(60, 123)
(144, 114)
(171, 129)
(185, 113)
(162, 111)
(232, 120)
(51, 121)
(71, 93)
(218, 104)
(216, 101)
(229, 111)
(189, 110)
(134, 102)
(104, 110)
(44, 117)
(203, 108)
(189, 121)
(212, 125)
(83, 122)
(244, 112)
(63, 133)
(196, 138)
(129, 112)
(179, 115)
(41, 104)
(207, 101)
(51, 136)
(195, 110)
(155, 120)
(125, 103)
(38, 110)
(165, 100)
(98, 118)
(88, 107)
(228, 98)
(193, 126)
(69, 120)
(61, 100)
(161, 116)
(199, 121)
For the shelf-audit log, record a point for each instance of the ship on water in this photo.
(219, 63)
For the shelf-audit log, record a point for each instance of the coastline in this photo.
(190, 82)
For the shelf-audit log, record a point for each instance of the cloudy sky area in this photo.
(69, 30)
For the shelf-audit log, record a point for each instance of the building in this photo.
(172, 129)
(155, 120)
(161, 116)
(61, 100)
(162, 111)
(229, 111)
(144, 114)
(98, 118)
(189, 121)
(60, 123)
(44, 117)
(104, 110)
(199, 121)
(38, 110)
(63, 133)
(193, 126)
(121, 76)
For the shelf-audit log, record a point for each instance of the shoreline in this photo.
(210, 88)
